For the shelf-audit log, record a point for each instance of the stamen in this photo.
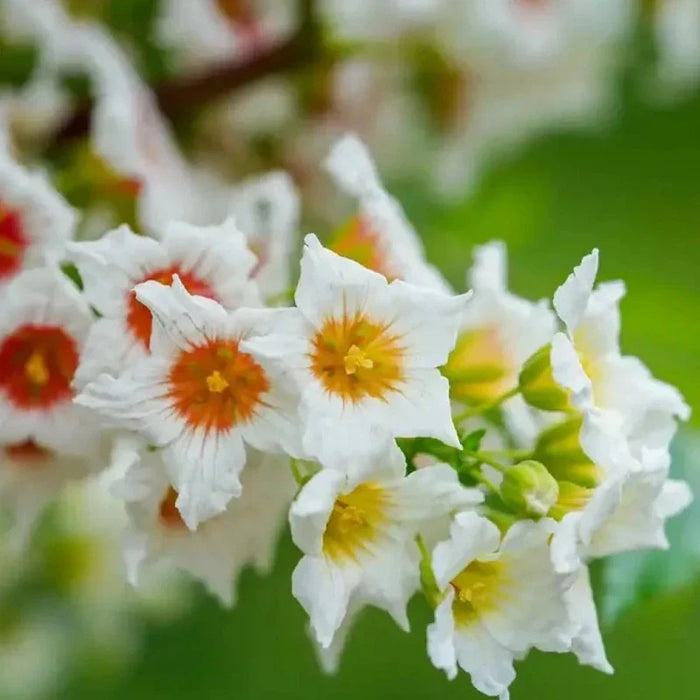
(216, 383)
(36, 370)
(356, 358)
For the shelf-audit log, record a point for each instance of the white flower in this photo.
(267, 210)
(677, 33)
(43, 327)
(498, 332)
(357, 534)
(365, 353)
(35, 221)
(210, 261)
(367, 20)
(500, 600)
(30, 477)
(201, 396)
(202, 32)
(586, 360)
(525, 68)
(245, 533)
(379, 235)
(627, 511)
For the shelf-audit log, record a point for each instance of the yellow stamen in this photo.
(216, 383)
(9, 248)
(356, 358)
(36, 370)
(349, 516)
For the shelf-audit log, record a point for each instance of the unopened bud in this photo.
(537, 384)
(559, 448)
(478, 369)
(529, 489)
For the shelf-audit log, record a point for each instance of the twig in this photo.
(178, 97)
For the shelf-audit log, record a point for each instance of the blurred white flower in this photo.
(35, 221)
(245, 533)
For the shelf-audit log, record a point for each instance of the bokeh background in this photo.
(632, 188)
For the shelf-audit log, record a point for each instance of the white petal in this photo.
(311, 509)
(330, 284)
(205, 468)
(471, 536)
(441, 637)
(571, 299)
(426, 322)
(324, 591)
(568, 371)
(489, 664)
(588, 643)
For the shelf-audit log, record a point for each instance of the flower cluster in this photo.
(478, 449)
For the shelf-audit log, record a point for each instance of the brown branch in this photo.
(178, 97)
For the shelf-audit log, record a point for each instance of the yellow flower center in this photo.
(35, 369)
(216, 382)
(477, 589)
(354, 357)
(355, 522)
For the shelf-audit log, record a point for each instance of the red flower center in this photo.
(139, 319)
(216, 386)
(168, 514)
(37, 364)
(27, 453)
(13, 242)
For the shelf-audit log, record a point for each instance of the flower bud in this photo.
(572, 497)
(537, 384)
(559, 448)
(477, 369)
(529, 489)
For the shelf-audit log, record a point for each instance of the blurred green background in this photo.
(634, 191)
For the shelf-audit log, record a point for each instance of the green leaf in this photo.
(632, 578)
(472, 441)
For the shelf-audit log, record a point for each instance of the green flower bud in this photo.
(558, 447)
(537, 384)
(529, 489)
(478, 369)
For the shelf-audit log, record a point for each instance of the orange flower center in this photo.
(360, 242)
(139, 319)
(27, 453)
(13, 242)
(168, 515)
(354, 357)
(37, 364)
(216, 386)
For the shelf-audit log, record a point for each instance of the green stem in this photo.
(486, 482)
(487, 459)
(484, 407)
(427, 577)
(515, 455)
